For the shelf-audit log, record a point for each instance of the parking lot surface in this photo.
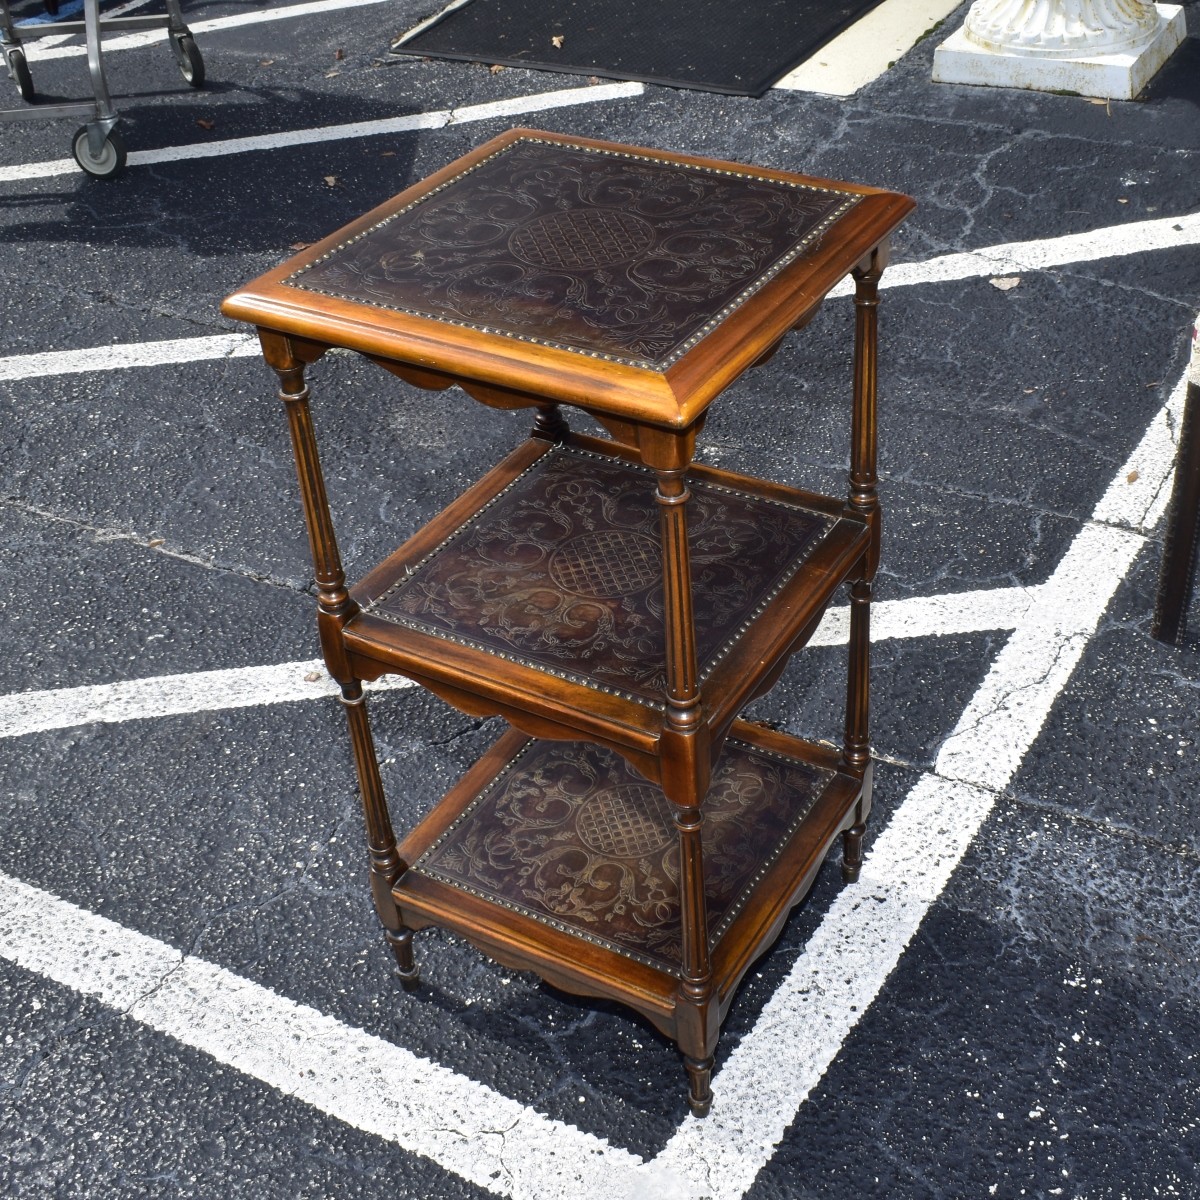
(196, 999)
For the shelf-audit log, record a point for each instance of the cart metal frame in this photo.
(97, 146)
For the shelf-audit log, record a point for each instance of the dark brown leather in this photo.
(563, 571)
(620, 255)
(571, 835)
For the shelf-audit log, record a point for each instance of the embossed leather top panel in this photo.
(619, 255)
(571, 835)
(563, 571)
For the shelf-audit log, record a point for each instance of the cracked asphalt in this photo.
(1038, 1037)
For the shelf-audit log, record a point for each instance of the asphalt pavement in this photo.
(195, 997)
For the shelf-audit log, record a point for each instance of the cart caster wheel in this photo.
(108, 164)
(187, 55)
(18, 68)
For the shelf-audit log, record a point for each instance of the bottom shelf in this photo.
(558, 857)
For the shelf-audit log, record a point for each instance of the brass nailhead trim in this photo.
(824, 778)
(709, 667)
(629, 360)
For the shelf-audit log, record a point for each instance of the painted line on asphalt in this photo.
(980, 610)
(170, 696)
(129, 354)
(1114, 241)
(867, 48)
(1005, 714)
(23, 713)
(473, 1131)
(1138, 496)
(148, 37)
(482, 1136)
(862, 937)
(1043, 254)
(438, 119)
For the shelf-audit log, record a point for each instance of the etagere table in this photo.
(618, 604)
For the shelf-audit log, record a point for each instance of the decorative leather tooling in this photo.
(563, 571)
(570, 834)
(621, 255)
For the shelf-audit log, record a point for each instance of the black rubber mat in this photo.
(740, 47)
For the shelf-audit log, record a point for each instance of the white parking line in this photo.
(22, 713)
(867, 48)
(1113, 241)
(130, 354)
(474, 1131)
(484, 1137)
(1110, 241)
(1042, 254)
(860, 940)
(169, 696)
(439, 119)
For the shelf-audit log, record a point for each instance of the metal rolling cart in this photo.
(97, 146)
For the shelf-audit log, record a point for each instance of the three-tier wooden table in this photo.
(629, 837)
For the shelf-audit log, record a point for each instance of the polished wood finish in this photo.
(632, 722)
(863, 499)
(578, 963)
(527, 373)
(615, 602)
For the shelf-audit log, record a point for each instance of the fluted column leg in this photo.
(686, 772)
(864, 500)
(334, 608)
(386, 864)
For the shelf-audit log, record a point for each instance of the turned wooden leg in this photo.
(852, 839)
(686, 767)
(863, 499)
(855, 750)
(697, 1029)
(699, 1084)
(401, 942)
(334, 604)
(386, 863)
(334, 608)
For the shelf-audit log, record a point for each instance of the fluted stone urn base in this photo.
(1118, 75)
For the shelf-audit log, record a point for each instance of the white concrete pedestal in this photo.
(1118, 76)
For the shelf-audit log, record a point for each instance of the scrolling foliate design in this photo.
(618, 255)
(570, 835)
(563, 571)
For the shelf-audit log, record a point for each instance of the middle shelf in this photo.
(538, 593)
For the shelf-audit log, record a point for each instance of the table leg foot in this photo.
(401, 942)
(699, 1084)
(852, 853)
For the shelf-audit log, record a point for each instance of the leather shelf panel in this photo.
(619, 255)
(562, 571)
(570, 835)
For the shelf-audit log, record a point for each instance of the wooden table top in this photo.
(631, 282)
